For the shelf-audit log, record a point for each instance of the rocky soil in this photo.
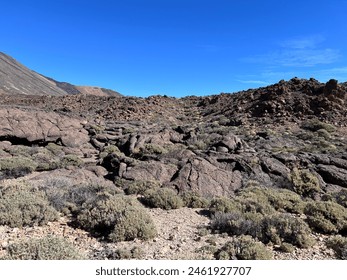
(213, 146)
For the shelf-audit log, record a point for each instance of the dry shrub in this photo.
(45, 248)
(243, 248)
(326, 217)
(116, 217)
(164, 198)
(21, 205)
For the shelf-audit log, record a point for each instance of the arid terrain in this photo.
(258, 174)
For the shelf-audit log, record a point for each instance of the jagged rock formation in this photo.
(213, 145)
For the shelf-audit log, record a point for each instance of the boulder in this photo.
(201, 176)
(39, 126)
(148, 171)
(333, 175)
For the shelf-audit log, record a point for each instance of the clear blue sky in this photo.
(177, 47)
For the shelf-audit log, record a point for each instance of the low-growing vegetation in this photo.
(164, 198)
(243, 248)
(22, 206)
(304, 182)
(262, 213)
(315, 125)
(17, 166)
(326, 217)
(339, 245)
(45, 248)
(116, 217)
(140, 187)
(67, 197)
(194, 200)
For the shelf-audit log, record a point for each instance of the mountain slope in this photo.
(15, 78)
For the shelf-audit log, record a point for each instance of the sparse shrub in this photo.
(323, 134)
(237, 223)
(67, 197)
(243, 248)
(224, 205)
(254, 200)
(304, 182)
(194, 200)
(339, 245)
(117, 217)
(46, 248)
(45, 161)
(267, 200)
(71, 160)
(198, 145)
(326, 216)
(140, 187)
(14, 167)
(285, 200)
(124, 254)
(21, 206)
(152, 149)
(109, 150)
(287, 247)
(55, 149)
(315, 125)
(341, 197)
(281, 228)
(203, 231)
(164, 198)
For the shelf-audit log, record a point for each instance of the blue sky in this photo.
(176, 47)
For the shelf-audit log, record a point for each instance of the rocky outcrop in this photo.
(333, 175)
(199, 175)
(41, 127)
(212, 145)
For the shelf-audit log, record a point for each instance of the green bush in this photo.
(285, 200)
(116, 217)
(70, 160)
(267, 200)
(281, 228)
(237, 223)
(224, 205)
(164, 198)
(194, 200)
(287, 247)
(243, 248)
(45, 248)
(341, 197)
(304, 182)
(55, 149)
(339, 245)
(21, 206)
(16, 166)
(315, 125)
(323, 134)
(140, 187)
(66, 197)
(326, 217)
(125, 254)
(152, 149)
(276, 228)
(254, 200)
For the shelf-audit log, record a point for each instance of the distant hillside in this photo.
(15, 78)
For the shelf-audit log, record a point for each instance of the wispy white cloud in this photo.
(322, 75)
(302, 52)
(254, 82)
(309, 42)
